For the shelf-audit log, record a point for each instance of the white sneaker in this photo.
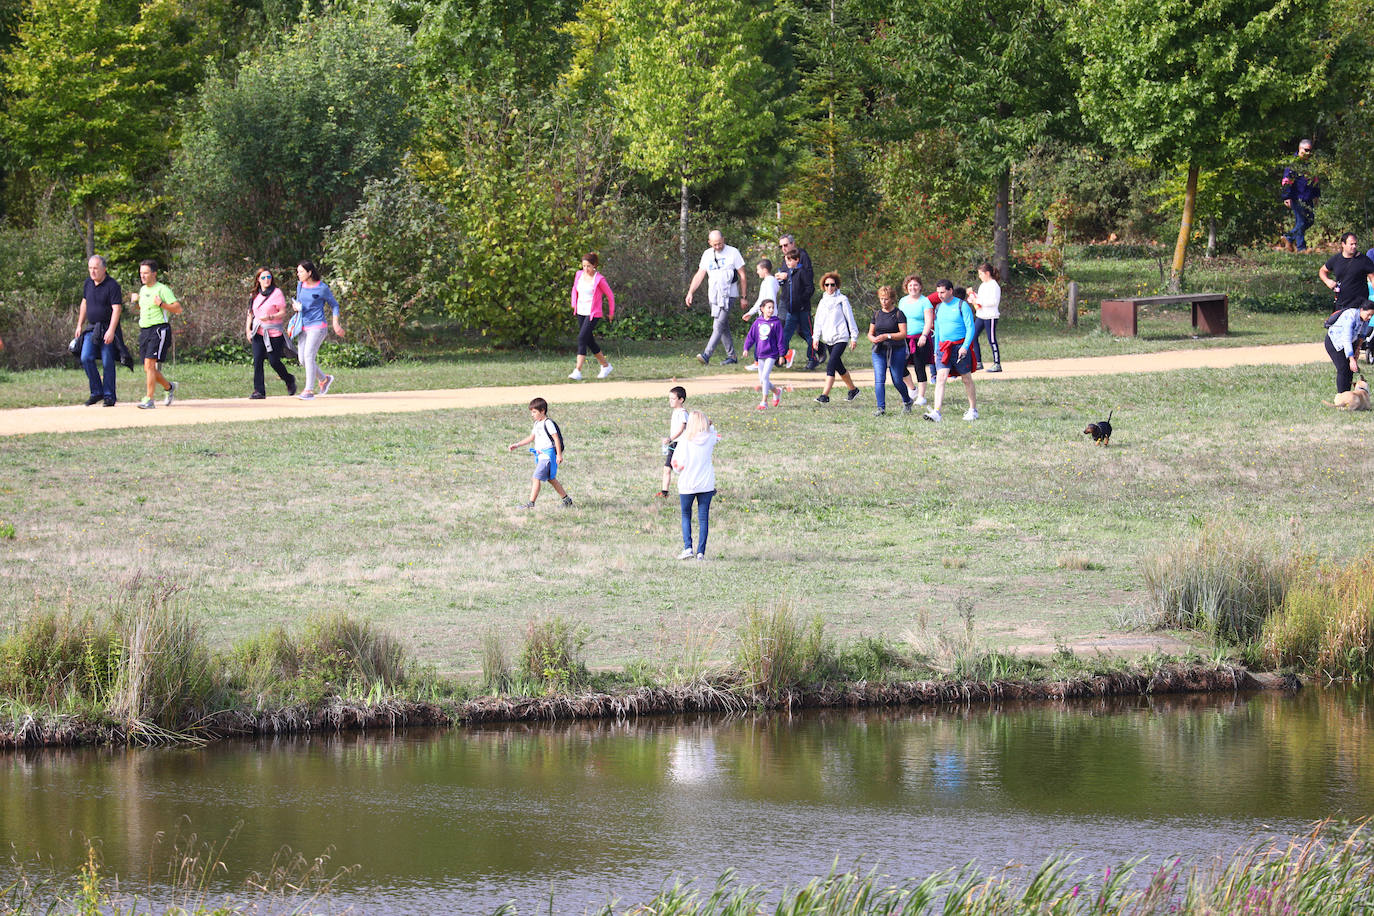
(933, 416)
(575, 375)
(687, 554)
(605, 371)
(171, 393)
(701, 556)
(921, 402)
(146, 404)
(753, 366)
(971, 414)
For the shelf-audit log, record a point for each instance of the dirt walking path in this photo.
(30, 420)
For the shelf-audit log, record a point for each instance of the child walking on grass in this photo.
(677, 424)
(765, 339)
(547, 446)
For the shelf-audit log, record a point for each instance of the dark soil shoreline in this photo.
(339, 714)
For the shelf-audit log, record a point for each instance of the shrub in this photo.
(281, 150)
(1326, 622)
(1287, 303)
(342, 651)
(778, 651)
(552, 654)
(1224, 582)
(51, 656)
(263, 662)
(348, 355)
(391, 259)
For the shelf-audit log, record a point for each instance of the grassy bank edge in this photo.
(1145, 677)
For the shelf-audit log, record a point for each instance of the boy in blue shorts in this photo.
(547, 446)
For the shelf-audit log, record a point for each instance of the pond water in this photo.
(467, 819)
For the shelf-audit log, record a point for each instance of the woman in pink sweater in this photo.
(266, 312)
(589, 291)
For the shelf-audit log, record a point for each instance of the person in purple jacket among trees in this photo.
(765, 339)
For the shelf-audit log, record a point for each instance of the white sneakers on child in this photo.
(687, 554)
(971, 414)
(605, 371)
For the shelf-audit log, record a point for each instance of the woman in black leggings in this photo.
(834, 326)
(589, 291)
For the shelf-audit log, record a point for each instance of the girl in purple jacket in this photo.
(765, 339)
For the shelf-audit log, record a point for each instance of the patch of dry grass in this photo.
(410, 521)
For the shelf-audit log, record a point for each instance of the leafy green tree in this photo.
(524, 189)
(88, 102)
(994, 74)
(282, 150)
(1196, 85)
(493, 44)
(691, 91)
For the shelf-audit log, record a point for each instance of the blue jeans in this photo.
(703, 518)
(89, 344)
(891, 363)
(1302, 220)
(799, 323)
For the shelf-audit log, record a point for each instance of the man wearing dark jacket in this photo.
(798, 285)
(1300, 193)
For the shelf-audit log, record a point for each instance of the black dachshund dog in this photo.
(1101, 431)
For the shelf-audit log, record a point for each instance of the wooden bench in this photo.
(1209, 312)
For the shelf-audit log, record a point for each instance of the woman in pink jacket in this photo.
(266, 313)
(589, 289)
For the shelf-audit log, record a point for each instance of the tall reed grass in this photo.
(183, 886)
(777, 651)
(1326, 622)
(1321, 874)
(1224, 582)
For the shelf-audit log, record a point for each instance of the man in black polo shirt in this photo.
(1347, 274)
(97, 323)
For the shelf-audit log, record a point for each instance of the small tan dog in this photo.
(1356, 398)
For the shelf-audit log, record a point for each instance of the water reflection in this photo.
(478, 816)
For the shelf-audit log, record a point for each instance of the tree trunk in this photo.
(90, 231)
(1185, 229)
(1001, 226)
(1211, 237)
(682, 233)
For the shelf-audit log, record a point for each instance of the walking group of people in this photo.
(99, 340)
(952, 321)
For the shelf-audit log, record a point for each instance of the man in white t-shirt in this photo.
(728, 286)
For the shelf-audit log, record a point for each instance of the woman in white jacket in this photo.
(834, 327)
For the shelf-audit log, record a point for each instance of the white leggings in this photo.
(309, 348)
(766, 373)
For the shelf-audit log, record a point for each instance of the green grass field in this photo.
(878, 524)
